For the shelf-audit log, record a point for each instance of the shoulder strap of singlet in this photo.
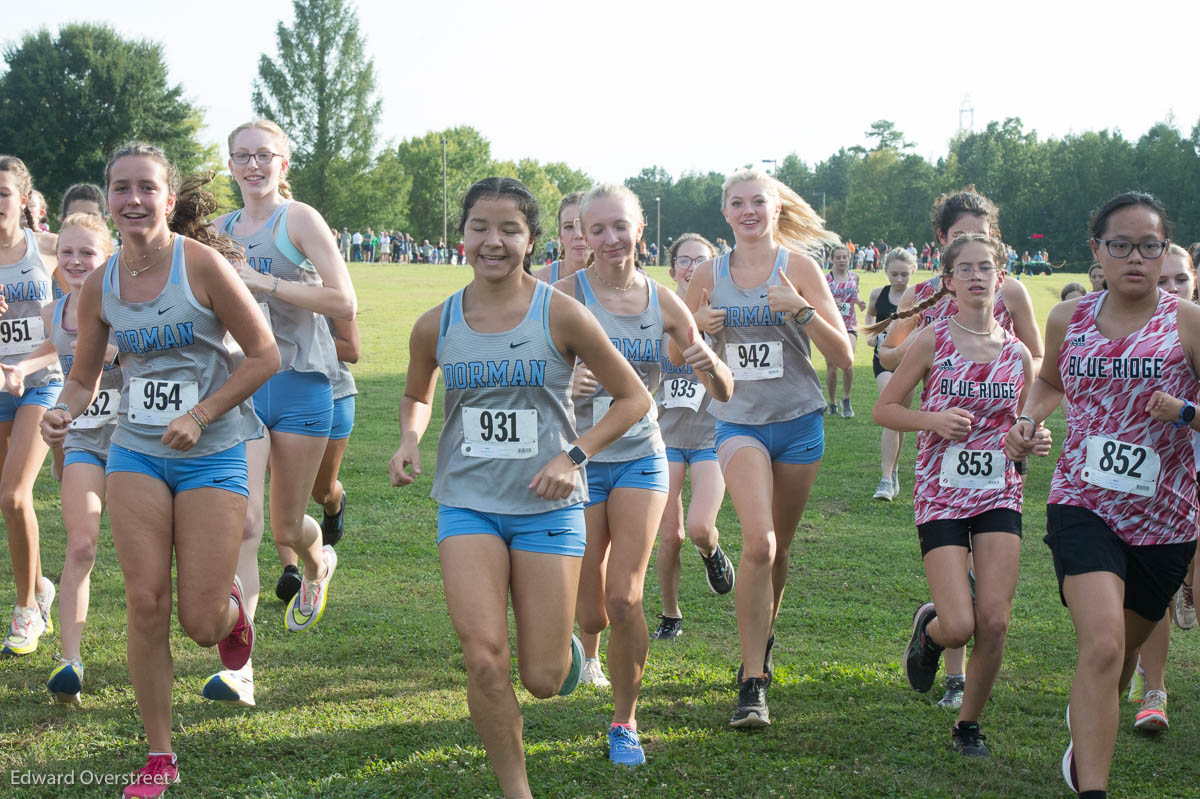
(781, 259)
(583, 289)
(56, 320)
(553, 272)
(177, 276)
(283, 242)
(652, 301)
(110, 274)
(230, 220)
(720, 268)
(542, 295)
(451, 313)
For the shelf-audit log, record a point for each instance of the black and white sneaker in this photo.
(288, 584)
(752, 705)
(668, 628)
(921, 656)
(968, 740)
(768, 664)
(333, 527)
(718, 570)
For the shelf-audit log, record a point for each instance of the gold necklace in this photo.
(987, 332)
(613, 286)
(151, 265)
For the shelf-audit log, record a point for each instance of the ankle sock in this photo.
(174, 759)
(632, 727)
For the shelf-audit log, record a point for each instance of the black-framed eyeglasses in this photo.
(1118, 248)
(685, 262)
(263, 158)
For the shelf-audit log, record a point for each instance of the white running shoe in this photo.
(45, 601)
(884, 490)
(308, 605)
(593, 673)
(27, 627)
(231, 687)
(1185, 608)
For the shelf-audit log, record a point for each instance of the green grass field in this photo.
(372, 702)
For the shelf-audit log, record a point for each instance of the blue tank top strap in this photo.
(177, 277)
(227, 228)
(58, 311)
(110, 285)
(283, 242)
(781, 260)
(451, 314)
(584, 288)
(721, 267)
(652, 290)
(553, 272)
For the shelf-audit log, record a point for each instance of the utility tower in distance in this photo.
(966, 114)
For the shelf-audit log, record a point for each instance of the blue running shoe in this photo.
(624, 748)
(66, 682)
(230, 687)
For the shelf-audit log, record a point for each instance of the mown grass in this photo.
(372, 702)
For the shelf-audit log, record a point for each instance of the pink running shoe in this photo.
(236, 647)
(159, 773)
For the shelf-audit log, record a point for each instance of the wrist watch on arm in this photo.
(577, 456)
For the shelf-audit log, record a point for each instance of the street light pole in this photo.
(658, 232)
(444, 230)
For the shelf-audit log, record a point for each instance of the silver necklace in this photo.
(987, 332)
(613, 286)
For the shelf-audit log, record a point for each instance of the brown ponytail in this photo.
(882, 324)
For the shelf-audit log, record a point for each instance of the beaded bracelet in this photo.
(196, 419)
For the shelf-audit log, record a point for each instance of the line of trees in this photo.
(66, 101)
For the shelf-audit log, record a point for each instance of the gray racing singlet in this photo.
(768, 353)
(507, 411)
(341, 381)
(92, 430)
(683, 403)
(304, 341)
(172, 356)
(28, 288)
(639, 339)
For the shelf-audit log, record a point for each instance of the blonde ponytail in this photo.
(799, 227)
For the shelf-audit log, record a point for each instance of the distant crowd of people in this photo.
(394, 247)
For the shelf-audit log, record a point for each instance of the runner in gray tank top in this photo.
(508, 480)
(688, 430)
(293, 265)
(763, 303)
(25, 275)
(635, 313)
(575, 251)
(176, 469)
(83, 246)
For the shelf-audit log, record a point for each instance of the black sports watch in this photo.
(579, 457)
(1186, 414)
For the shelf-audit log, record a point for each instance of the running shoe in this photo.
(45, 601)
(288, 584)
(1185, 608)
(27, 627)
(921, 656)
(768, 664)
(718, 570)
(847, 411)
(153, 779)
(66, 681)
(668, 628)
(1137, 684)
(308, 605)
(832, 409)
(235, 648)
(752, 705)
(576, 671)
(968, 740)
(233, 687)
(884, 490)
(332, 527)
(1153, 715)
(593, 673)
(1070, 776)
(954, 693)
(624, 747)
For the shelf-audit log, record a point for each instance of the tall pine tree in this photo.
(320, 88)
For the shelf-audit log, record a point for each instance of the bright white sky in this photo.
(614, 86)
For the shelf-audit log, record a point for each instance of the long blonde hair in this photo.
(799, 227)
(281, 141)
(614, 191)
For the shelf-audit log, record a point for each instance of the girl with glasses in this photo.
(967, 494)
(1121, 515)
